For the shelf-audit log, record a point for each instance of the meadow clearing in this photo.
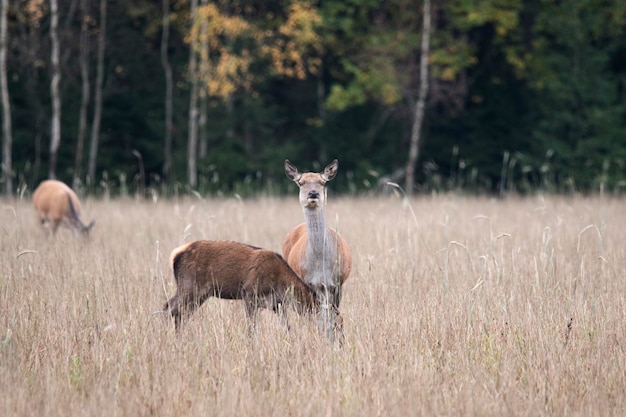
(455, 306)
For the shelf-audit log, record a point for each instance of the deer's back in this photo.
(220, 265)
(51, 198)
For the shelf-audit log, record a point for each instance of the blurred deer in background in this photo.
(56, 205)
(315, 251)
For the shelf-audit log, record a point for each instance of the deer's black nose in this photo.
(314, 194)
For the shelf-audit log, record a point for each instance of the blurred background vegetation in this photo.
(180, 95)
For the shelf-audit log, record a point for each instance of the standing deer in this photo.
(233, 270)
(315, 251)
(56, 204)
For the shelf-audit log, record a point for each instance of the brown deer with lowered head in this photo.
(233, 270)
(315, 251)
(57, 204)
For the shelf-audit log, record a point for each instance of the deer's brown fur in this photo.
(233, 270)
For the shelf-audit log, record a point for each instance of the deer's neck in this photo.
(321, 251)
(316, 228)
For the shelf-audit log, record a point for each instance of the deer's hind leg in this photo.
(173, 307)
(183, 305)
(251, 303)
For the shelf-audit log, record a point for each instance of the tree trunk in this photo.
(192, 144)
(55, 132)
(167, 69)
(84, 73)
(203, 132)
(7, 142)
(95, 126)
(421, 102)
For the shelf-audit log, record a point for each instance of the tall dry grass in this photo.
(456, 306)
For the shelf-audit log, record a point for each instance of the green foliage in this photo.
(374, 49)
(580, 109)
(375, 80)
(523, 95)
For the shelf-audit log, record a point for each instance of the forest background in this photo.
(488, 96)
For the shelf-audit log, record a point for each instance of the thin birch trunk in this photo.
(203, 131)
(84, 104)
(7, 141)
(167, 69)
(95, 126)
(55, 132)
(421, 102)
(203, 135)
(192, 144)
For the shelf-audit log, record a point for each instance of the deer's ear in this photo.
(330, 171)
(291, 171)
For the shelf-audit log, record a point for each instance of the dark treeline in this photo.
(214, 95)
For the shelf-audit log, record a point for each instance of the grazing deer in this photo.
(233, 270)
(315, 251)
(56, 205)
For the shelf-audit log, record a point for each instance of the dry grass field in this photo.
(455, 306)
